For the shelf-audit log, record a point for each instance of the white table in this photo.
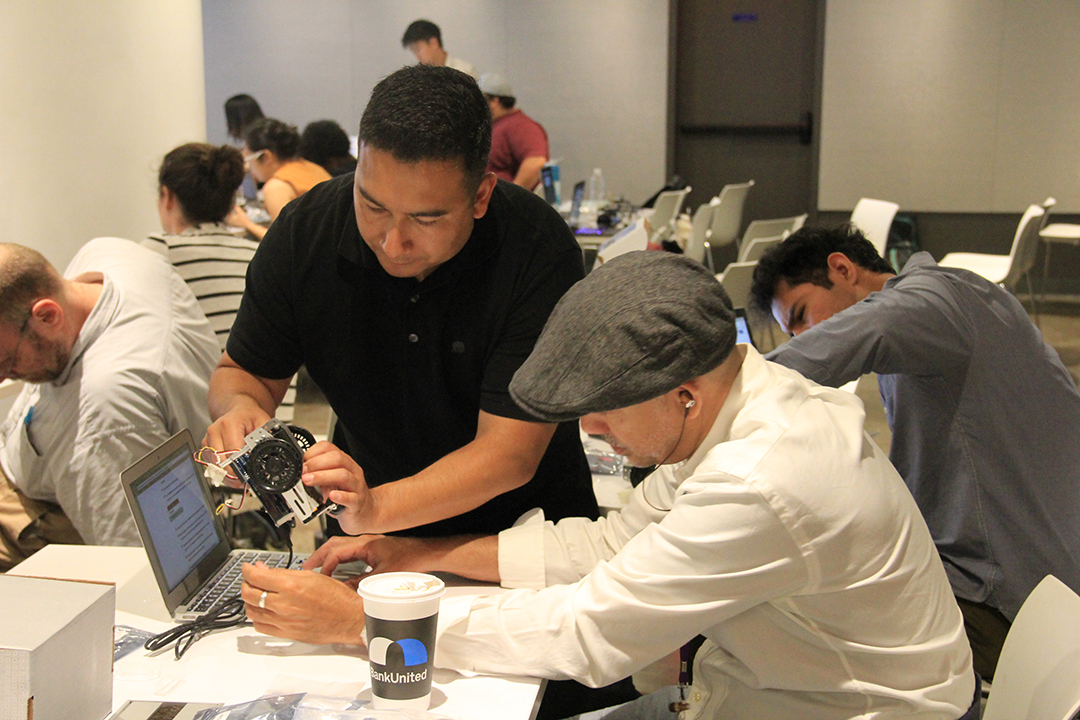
(240, 664)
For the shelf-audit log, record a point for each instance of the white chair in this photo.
(736, 279)
(753, 250)
(665, 211)
(771, 228)
(1038, 673)
(699, 233)
(1007, 270)
(1064, 233)
(874, 218)
(635, 237)
(727, 217)
(1060, 233)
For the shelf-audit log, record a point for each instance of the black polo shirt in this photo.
(408, 365)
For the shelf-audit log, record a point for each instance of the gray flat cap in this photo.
(637, 327)
(495, 84)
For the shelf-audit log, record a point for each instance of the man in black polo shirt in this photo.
(412, 295)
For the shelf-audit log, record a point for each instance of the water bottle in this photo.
(597, 191)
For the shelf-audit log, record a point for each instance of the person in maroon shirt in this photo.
(519, 145)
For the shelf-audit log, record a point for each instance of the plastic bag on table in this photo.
(304, 706)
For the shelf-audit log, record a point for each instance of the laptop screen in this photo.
(547, 179)
(742, 328)
(180, 525)
(185, 542)
(575, 204)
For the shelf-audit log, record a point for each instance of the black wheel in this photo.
(275, 465)
(303, 438)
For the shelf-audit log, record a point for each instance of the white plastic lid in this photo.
(401, 587)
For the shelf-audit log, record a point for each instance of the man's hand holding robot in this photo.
(341, 481)
(294, 477)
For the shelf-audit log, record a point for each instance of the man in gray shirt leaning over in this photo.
(985, 418)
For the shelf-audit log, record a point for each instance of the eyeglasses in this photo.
(18, 344)
(248, 159)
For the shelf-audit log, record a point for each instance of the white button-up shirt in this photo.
(787, 540)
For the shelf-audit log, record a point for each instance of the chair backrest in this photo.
(753, 250)
(699, 232)
(727, 213)
(666, 209)
(633, 238)
(1025, 244)
(874, 218)
(771, 228)
(1038, 673)
(736, 279)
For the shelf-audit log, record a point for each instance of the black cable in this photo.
(226, 614)
(284, 533)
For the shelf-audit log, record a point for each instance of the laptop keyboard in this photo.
(228, 580)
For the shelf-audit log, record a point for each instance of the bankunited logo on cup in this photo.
(400, 657)
(382, 651)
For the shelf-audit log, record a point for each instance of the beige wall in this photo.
(951, 105)
(92, 95)
(593, 73)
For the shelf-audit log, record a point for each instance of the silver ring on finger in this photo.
(262, 601)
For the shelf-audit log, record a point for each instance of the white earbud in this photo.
(690, 404)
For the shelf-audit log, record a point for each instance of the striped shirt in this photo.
(213, 261)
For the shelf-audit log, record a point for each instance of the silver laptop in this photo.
(189, 551)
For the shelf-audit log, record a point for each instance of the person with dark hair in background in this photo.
(272, 153)
(240, 111)
(196, 190)
(424, 40)
(325, 143)
(985, 418)
(412, 291)
(519, 144)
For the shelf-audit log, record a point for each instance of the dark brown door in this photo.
(746, 94)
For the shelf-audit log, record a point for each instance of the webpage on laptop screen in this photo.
(175, 510)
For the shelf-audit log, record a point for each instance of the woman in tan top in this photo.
(272, 152)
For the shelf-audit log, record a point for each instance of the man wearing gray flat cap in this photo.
(773, 527)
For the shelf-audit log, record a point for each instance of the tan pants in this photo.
(28, 525)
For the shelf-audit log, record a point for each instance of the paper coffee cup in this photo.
(402, 613)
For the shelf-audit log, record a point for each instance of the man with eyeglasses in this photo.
(116, 356)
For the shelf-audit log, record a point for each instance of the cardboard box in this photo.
(56, 645)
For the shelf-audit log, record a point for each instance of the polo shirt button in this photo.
(413, 337)
(414, 298)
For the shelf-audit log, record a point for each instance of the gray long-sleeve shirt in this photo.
(985, 422)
